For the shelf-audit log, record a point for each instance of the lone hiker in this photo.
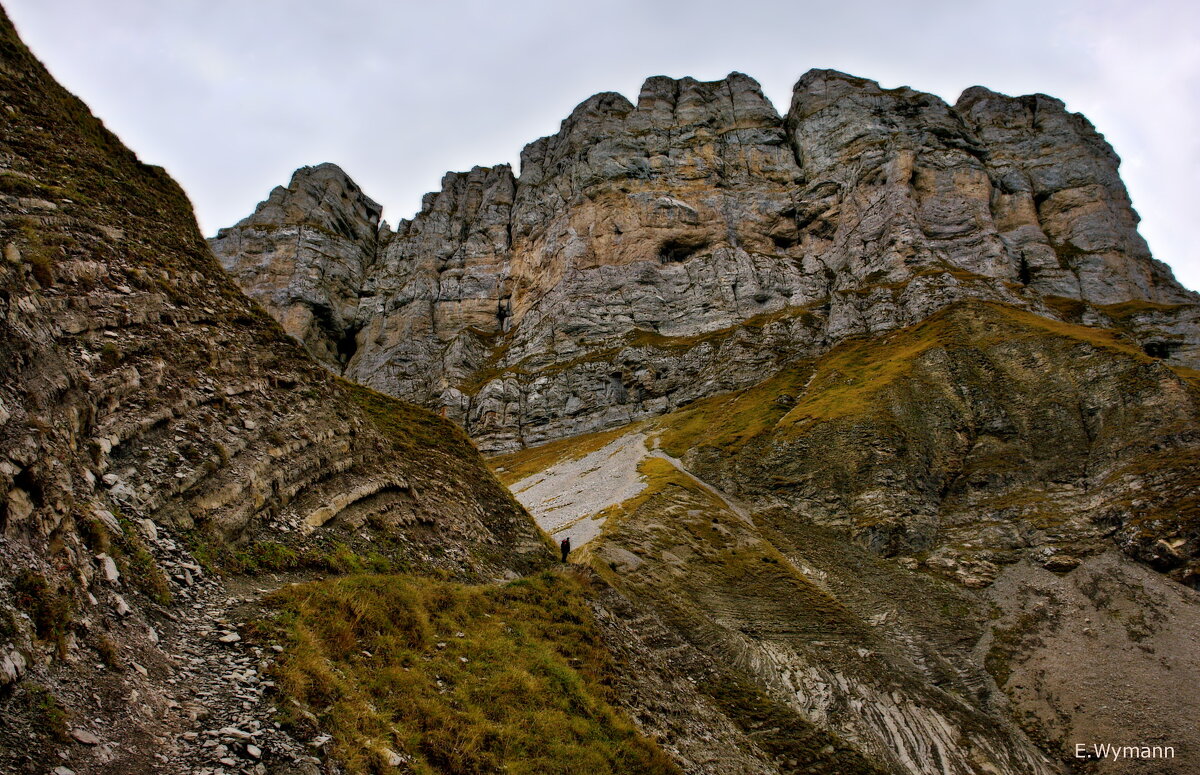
(565, 545)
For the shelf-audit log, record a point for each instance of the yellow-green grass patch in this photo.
(455, 678)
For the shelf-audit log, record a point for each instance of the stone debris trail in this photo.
(227, 721)
(566, 498)
(569, 498)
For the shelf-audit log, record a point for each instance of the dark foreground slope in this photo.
(957, 547)
(158, 429)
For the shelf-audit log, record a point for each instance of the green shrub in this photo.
(50, 611)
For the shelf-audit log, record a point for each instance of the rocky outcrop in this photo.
(1059, 203)
(304, 254)
(156, 427)
(604, 283)
(914, 552)
(438, 295)
(905, 409)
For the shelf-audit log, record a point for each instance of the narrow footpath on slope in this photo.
(730, 502)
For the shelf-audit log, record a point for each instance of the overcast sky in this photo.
(232, 95)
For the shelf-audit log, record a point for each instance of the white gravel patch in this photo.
(565, 497)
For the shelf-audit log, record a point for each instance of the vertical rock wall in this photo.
(606, 283)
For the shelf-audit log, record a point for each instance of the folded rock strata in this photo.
(154, 422)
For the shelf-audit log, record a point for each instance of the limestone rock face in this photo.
(304, 254)
(1060, 203)
(438, 291)
(641, 249)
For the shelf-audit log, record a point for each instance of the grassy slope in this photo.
(976, 408)
(535, 692)
(716, 580)
(456, 678)
(847, 381)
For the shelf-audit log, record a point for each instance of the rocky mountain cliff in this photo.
(877, 420)
(650, 255)
(882, 496)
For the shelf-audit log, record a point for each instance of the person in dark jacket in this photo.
(565, 545)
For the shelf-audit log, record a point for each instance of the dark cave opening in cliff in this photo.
(1161, 350)
(680, 249)
(343, 339)
(347, 344)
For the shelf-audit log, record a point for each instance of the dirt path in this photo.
(225, 722)
(730, 503)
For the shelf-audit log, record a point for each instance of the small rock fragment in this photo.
(83, 736)
(107, 517)
(1061, 563)
(149, 529)
(12, 666)
(109, 567)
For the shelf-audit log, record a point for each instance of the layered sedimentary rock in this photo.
(609, 280)
(307, 250)
(156, 426)
(906, 415)
(953, 546)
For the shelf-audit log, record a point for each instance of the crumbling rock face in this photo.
(438, 293)
(1059, 202)
(521, 306)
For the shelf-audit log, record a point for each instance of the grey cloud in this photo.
(232, 96)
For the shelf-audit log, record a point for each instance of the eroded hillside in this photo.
(898, 476)
(179, 482)
(945, 545)
(877, 418)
